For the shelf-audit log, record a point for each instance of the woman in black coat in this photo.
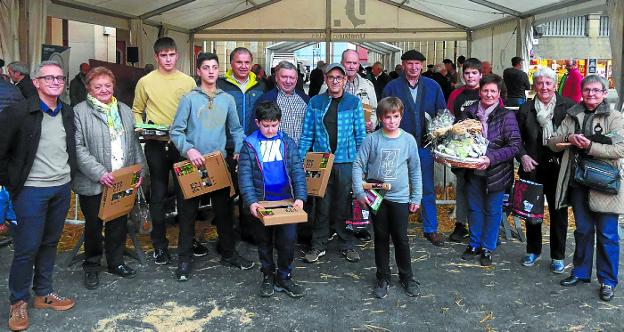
(538, 120)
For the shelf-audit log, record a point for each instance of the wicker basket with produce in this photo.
(457, 145)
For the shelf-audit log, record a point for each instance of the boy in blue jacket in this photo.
(270, 169)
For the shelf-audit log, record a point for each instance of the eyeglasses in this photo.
(51, 78)
(335, 79)
(594, 91)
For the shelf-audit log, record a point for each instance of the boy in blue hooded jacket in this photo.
(270, 169)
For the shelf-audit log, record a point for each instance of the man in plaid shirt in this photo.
(334, 122)
(292, 102)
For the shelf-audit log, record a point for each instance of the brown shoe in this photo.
(53, 301)
(18, 316)
(435, 238)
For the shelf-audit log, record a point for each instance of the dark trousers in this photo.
(334, 208)
(160, 158)
(601, 228)
(187, 211)
(283, 238)
(391, 220)
(246, 221)
(115, 235)
(41, 213)
(558, 222)
(485, 212)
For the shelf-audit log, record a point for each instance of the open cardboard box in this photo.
(280, 213)
(118, 200)
(318, 166)
(369, 112)
(213, 176)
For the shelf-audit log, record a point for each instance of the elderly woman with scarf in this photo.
(538, 120)
(105, 142)
(486, 185)
(594, 132)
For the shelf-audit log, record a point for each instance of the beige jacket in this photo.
(611, 122)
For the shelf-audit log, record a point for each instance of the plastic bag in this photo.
(140, 214)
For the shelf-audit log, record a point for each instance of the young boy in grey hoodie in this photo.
(199, 128)
(390, 155)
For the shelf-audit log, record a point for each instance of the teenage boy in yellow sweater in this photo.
(156, 97)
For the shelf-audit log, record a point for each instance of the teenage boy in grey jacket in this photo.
(199, 128)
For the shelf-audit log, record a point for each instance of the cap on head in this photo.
(413, 55)
(333, 66)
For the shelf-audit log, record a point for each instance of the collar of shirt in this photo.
(242, 84)
(48, 110)
(352, 87)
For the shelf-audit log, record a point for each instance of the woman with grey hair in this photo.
(593, 132)
(538, 120)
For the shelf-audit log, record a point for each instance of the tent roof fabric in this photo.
(197, 15)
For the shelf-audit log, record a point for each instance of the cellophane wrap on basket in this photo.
(458, 145)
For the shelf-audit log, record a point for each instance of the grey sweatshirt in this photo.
(391, 160)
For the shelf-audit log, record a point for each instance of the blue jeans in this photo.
(588, 223)
(485, 210)
(41, 216)
(283, 238)
(428, 203)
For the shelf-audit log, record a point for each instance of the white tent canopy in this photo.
(495, 30)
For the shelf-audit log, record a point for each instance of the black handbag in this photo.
(597, 175)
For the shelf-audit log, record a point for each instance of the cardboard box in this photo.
(369, 112)
(318, 166)
(118, 200)
(280, 213)
(213, 176)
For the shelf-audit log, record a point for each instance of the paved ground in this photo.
(456, 295)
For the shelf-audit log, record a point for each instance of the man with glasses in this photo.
(334, 122)
(570, 85)
(422, 97)
(37, 157)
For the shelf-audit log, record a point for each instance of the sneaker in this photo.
(435, 238)
(199, 250)
(332, 236)
(351, 255)
(486, 257)
(557, 266)
(470, 253)
(184, 271)
(238, 261)
(459, 233)
(266, 288)
(364, 236)
(289, 287)
(123, 271)
(91, 279)
(313, 255)
(411, 287)
(18, 316)
(606, 292)
(530, 259)
(161, 256)
(381, 289)
(53, 301)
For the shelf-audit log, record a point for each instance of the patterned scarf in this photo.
(483, 114)
(544, 117)
(115, 128)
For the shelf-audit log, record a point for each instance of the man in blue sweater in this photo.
(421, 96)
